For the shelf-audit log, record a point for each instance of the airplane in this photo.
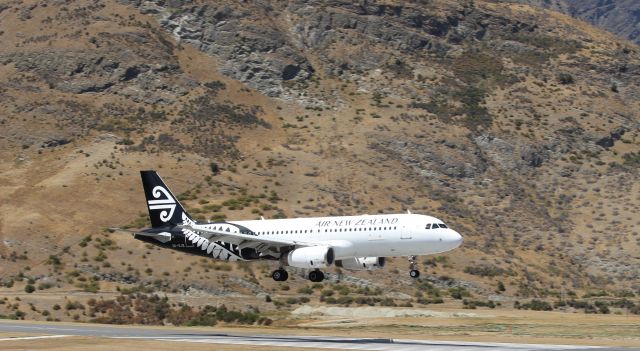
(348, 242)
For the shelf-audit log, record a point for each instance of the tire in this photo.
(313, 276)
(414, 273)
(316, 276)
(279, 275)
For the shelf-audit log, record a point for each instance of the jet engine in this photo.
(361, 263)
(310, 257)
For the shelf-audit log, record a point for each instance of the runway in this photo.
(184, 335)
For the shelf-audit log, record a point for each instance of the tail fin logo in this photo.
(166, 203)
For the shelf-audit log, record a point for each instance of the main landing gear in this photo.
(413, 273)
(316, 276)
(280, 275)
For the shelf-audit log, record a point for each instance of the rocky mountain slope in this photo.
(621, 17)
(517, 126)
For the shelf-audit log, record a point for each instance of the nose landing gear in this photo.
(413, 273)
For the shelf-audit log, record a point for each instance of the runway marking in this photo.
(284, 341)
(317, 342)
(34, 337)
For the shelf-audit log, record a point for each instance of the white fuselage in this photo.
(362, 236)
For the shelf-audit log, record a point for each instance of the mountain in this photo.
(516, 125)
(621, 17)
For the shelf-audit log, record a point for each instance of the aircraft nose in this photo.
(455, 239)
(458, 238)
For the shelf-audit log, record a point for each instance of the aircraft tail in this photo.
(164, 207)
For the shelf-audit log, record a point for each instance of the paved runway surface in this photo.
(181, 335)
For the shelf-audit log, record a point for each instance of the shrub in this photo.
(535, 305)
(73, 306)
(458, 293)
(54, 261)
(305, 290)
(44, 286)
(215, 169)
(472, 304)
(631, 159)
(485, 270)
(327, 292)
(565, 78)
(29, 288)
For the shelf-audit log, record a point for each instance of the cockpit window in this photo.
(442, 225)
(428, 226)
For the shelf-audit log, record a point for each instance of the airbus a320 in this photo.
(349, 242)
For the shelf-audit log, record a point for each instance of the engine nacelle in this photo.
(310, 257)
(361, 263)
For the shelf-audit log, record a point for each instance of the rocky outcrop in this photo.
(433, 160)
(250, 49)
(267, 45)
(609, 141)
(512, 156)
(621, 17)
(133, 64)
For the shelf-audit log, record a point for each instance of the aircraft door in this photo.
(405, 232)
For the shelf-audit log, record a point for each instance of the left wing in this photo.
(261, 244)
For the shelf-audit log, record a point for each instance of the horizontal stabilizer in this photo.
(162, 237)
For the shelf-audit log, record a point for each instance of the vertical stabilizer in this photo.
(164, 207)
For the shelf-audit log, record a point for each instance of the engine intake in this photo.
(361, 263)
(310, 257)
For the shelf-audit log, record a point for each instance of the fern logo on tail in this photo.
(166, 203)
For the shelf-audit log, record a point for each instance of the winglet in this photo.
(408, 211)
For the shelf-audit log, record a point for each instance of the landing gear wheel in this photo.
(316, 276)
(280, 275)
(413, 273)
